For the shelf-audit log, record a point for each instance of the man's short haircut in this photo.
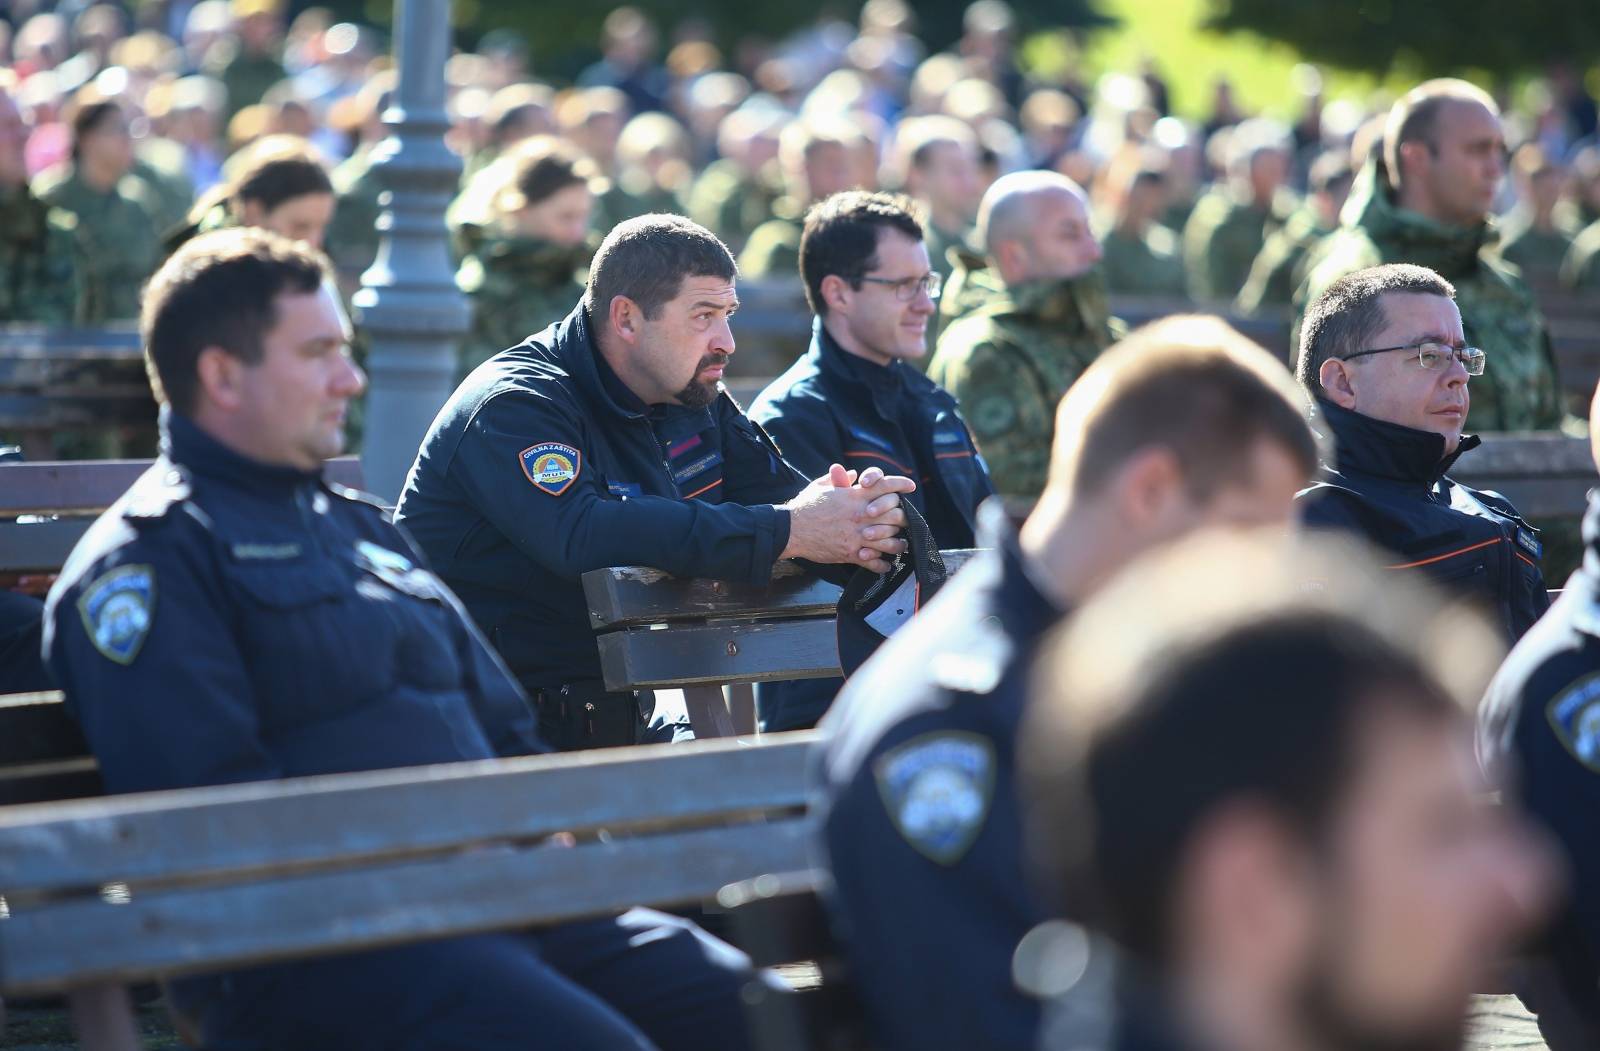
(647, 259)
(800, 139)
(1191, 384)
(1349, 313)
(220, 290)
(1251, 138)
(1006, 211)
(917, 138)
(1330, 172)
(1227, 670)
(1415, 117)
(841, 237)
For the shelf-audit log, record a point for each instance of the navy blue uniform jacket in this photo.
(915, 782)
(542, 466)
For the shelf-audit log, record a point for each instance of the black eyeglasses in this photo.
(905, 289)
(1433, 355)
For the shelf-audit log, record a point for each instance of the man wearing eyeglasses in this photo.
(1384, 359)
(854, 400)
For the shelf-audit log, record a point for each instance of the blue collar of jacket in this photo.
(580, 355)
(883, 385)
(1364, 445)
(1025, 611)
(185, 444)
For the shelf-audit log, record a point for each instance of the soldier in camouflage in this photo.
(1443, 155)
(1010, 361)
(735, 193)
(40, 277)
(817, 162)
(1288, 254)
(1141, 256)
(1232, 221)
(1581, 268)
(1531, 237)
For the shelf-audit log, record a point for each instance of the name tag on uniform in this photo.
(1529, 543)
(265, 552)
(395, 569)
(694, 467)
(625, 490)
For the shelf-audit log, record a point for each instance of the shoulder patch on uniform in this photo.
(117, 609)
(937, 789)
(551, 466)
(1574, 717)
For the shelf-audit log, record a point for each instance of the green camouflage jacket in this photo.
(1009, 362)
(1222, 239)
(1519, 390)
(1282, 263)
(972, 284)
(1581, 269)
(730, 202)
(1151, 265)
(773, 249)
(119, 238)
(517, 286)
(41, 275)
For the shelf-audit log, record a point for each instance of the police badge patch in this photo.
(937, 789)
(117, 609)
(551, 466)
(1574, 716)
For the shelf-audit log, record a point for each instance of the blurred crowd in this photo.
(123, 132)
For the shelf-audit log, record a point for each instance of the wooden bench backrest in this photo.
(1544, 475)
(211, 878)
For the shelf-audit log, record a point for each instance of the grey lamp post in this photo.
(408, 303)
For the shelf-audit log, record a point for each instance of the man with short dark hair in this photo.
(1184, 423)
(853, 398)
(1425, 198)
(607, 440)
(1280, 267)
(1385, 362)
(234, 618)
(1312, 869)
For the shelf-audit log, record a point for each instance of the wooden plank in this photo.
(102, 1018)
(208, 928)
(716, 653)
(39, 546)
(1528, 452)
(91, 486)
(742, 706)
(158, 836)
(627, 595)
(50, 782)
(113, 341)
(708, 712)
(36, 727)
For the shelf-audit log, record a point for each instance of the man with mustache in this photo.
(607, 440)
(856, 399)
(1383, 357)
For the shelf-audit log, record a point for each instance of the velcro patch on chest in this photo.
(1574, 717)
(699, 465)
(551, 466)
(117, 610)
(937, 789)
(1529, 543)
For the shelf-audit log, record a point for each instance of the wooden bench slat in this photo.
(298, 822)
(35, 727)
(702, 654)
(50, 782)
(1522, 452)
(1539, 497)
(40, 547)
(51, 486)
(208, 928)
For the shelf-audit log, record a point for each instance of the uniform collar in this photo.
(1023, 607)
(587, 367)
(883, 384)
(185, 444)
(1591, 541)
(1388, 450)
(1069, 304)
(1449, 250)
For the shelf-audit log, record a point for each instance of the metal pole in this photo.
(408, 304)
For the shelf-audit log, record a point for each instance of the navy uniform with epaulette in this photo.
(230, 621)
(1541, 720)
(834, 407)
(915, 785)
(1389, 485)
(543, 465)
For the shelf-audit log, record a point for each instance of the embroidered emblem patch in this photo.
(937, 789)
(1574, 716)
(117, 610)
(551, 466)
(394, 569)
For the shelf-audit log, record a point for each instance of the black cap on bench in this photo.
(874, 606)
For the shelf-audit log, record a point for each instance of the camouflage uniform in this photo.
(1009, 363)
(168, 191)
(1537, 253)
(774, 247)
(40, 269)
(1518, 391)
(352, 237)
(1222, 239)
(972, 284)
(1151, 265)
(617, 205)
(1581, 269)
(119, 238)
(1281, 266)
(518, 286)
(246, 76)
(731, 202)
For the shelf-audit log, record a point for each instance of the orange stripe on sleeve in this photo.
(1447, 554)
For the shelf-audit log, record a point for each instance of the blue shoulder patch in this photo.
(117, 609)
(1574, 717)
(552, 467)
(937, 789)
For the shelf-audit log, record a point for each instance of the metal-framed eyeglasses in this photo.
(1433, 355)
(905, 289)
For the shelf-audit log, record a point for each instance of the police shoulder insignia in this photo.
(117, 609)
(1574, 716)
(937, 789)
(551, 466)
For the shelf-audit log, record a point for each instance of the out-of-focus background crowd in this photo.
(1215, 167)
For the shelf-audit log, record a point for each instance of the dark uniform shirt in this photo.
(1389, 485)
(915, 787)
(834, 407)
(1542, 713)
(543, 465)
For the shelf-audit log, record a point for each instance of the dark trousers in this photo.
(643, 980)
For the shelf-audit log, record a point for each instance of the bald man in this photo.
(1010, 360)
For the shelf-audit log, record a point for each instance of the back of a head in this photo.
(1415, 116)
(1245, 668)
(1252, 138)
(916, 139)
(275, 169)
(841, 235)
(1346, 316)
(1191, 384)
(647, 260)
(1006, 211)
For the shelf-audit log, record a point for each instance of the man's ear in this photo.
(625, 318)
(1335, 377)
(220, 377)
(836, 292)
(1147, 485)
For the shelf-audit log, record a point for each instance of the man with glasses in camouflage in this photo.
(854, 400)
(1383, 357)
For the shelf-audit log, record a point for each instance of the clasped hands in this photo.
(844, 519)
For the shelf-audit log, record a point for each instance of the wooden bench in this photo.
(656, 631)
(54, 378)
(102, 893)
(1544, 474)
